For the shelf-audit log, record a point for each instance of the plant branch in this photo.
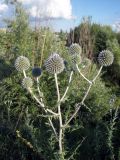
(83, 75)
(38, 88)
(79, 145)
(43, 106)
(24, 73)
(38, 101)
(70, 79)
(84, 98)
(57, 87)
(50, 111)
(47, 116)
(60, 116)
(97, 74)
(74, 114)
(86, 94)
(41, 103)
(46, 111)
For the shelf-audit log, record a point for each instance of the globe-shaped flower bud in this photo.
(54, 64)
(36, 72)
(105, 58)
(22, 63)
(75, 49)
(27, 82)
(76, 59)
(85, 63)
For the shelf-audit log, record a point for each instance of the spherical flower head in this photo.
(36, 72)
(27, 82)
(86, 63)
(75, 49)
(76, 59)
(22, 63)
(54, 64)
(105, 58)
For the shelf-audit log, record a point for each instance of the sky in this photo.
(102, 11)
(66, 14)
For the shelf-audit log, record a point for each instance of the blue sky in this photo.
(63, 11)
(102, 11)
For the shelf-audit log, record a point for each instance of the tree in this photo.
(18, 32)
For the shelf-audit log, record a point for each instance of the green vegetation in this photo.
(24, 130)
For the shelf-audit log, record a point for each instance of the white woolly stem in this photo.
(50, 111)
(97, 74)
(91, 85)
(74, 114)
(60, 117)
(46, 111)
(70, 79)
(41, 104)
(38, 88)
(83, 75)
(86, 94)
(54, 130)
(24, 73)
(57, 87)
(84, 98)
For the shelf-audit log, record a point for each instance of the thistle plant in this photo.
(36, 72)
(75, 54)
(105, 58)
(22, 63)
(27, 82)
(75, 49)
(55, 65)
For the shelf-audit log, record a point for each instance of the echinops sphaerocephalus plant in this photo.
(54, 64)
(105, 58)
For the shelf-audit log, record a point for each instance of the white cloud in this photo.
(49, 8)
(116, 26)
(26, 1)
(3, 8)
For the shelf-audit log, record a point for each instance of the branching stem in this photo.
(43, 106)
(60, 117)
(84, 98)
(70, 79)
(97, 74)
(46, 111)
(83, 75)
